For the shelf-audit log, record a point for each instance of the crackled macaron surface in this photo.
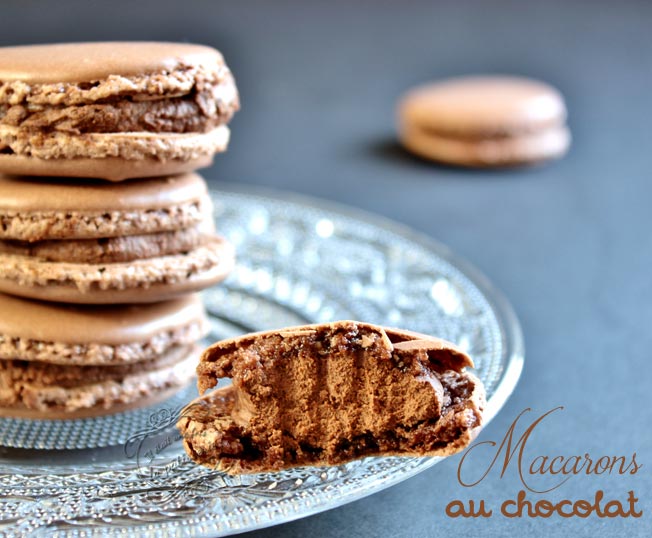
(113, 110)
(484, 121)
(96, 242)
(64, 360)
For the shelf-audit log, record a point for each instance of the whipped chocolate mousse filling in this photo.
(327, 394)
(109, 249)
(496, 134)
(46, 374)
(199, 110)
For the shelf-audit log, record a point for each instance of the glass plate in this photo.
(299, 261)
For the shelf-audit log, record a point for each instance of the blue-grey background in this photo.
(569, 243)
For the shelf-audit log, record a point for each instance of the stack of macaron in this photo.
(106, 231)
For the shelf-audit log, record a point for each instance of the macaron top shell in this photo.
(483, 105)
(23, 195)
(110, 325)
(87, 62)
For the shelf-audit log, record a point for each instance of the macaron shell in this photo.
(57, 209)
(501, 151)
(483, 105)
(142, 281)
(109, 325)
(140, 155)
(90, 412)
(130, 146)
(85, 62)
(110, 168)
(28, 194)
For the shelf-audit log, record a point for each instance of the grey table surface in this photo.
(568, 243)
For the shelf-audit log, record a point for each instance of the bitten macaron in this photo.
(484, 121)
(113, 110)
(69, 361)
(96, 242)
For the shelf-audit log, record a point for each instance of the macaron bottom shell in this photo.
(90, 412)
(139, 281)
(123, 156)
(510, 150)
(34, 396)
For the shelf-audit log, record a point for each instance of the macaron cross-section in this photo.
(330, 393)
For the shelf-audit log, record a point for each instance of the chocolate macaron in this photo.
(63, 361)
(484, 121)
(95, 242)
(113, 110)
(330, 393)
